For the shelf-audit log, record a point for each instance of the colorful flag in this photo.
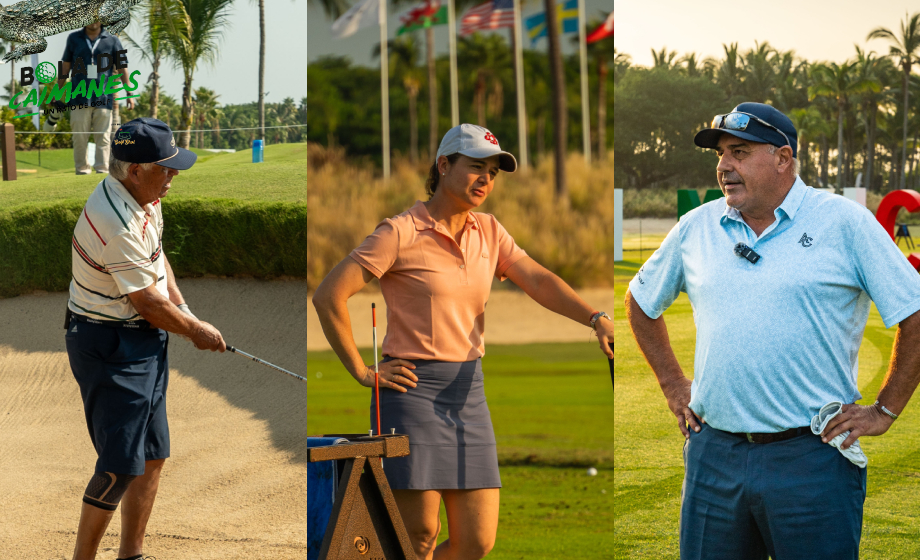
(363, 14)
(603, 31)
(491, 15)
(566, 16)
(422, 16)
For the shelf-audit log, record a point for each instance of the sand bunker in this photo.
(235, 486)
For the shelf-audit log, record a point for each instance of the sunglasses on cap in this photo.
(740, 121)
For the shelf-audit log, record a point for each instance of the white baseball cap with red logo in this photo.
(475, 142)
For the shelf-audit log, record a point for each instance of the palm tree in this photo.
(152, 47)
(560, 121)
(839, 82)
(906, 48)
(729, 74)
(810, 125)
(404, 65)
(487, 61)
(870, 66)
(664, 59)
(206, 107)
(192, 29)
(603, 51)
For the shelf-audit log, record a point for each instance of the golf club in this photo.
(376, 368)
(263, 362)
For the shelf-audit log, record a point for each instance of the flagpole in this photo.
(518, 32)
(385, 89)
(585, 105)
(452, 40)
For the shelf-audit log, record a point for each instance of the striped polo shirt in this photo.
(117, 249)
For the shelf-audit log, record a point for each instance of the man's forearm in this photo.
(163, 314)
(175, 295)
(652, 337)
(904, 369)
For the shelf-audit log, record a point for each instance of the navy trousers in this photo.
(797, 499)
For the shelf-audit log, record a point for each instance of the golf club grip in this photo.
(611, 373)
(263, 362)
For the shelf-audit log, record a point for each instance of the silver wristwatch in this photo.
(596, 317)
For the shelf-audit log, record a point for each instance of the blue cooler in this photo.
(257, 151)
(322, 482)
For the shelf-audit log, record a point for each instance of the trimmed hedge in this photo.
(202, 236)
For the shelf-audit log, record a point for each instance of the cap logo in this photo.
(172, 142)
(491, 138)
(123, 137)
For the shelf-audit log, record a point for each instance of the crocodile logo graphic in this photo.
(805, 240)
(27, 23)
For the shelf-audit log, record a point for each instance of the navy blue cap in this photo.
(146, 140)
(755, 131)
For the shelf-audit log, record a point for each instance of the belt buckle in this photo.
(750, 438)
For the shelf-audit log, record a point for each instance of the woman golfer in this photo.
(435, 263)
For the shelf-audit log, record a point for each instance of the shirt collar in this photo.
(423, 219)
(117, 188)
(789, 206)
(102, 35)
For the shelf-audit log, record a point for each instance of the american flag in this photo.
(491, 15)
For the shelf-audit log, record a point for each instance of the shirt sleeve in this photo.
(508, 251)
(378, 252)
(884, 272)
(661, 278)
(68, 51)
(126, 259)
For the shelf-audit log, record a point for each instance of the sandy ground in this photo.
(235, 486)
(511, 318)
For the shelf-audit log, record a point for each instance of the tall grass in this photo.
(346, 201)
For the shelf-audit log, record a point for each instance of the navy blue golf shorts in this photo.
(122, 373)
(797, 499)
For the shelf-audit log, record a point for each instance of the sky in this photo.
(815, 29)
(235, 75)
(359, 46)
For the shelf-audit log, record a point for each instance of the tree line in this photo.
(344, 107)
(857, 119)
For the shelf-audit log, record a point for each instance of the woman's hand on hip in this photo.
(394, 374)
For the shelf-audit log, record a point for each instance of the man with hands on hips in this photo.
(780, 277)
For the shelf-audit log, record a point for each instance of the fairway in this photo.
(551, 407)
(649, 469)
(281, 178)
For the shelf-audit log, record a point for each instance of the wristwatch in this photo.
(597, 315)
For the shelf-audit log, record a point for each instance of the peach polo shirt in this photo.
(435, 289)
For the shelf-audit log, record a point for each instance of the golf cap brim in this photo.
(506, 161)
(709, 137)
(180, 161)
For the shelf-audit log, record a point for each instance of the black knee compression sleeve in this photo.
(106, 489)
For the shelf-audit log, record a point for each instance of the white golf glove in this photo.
(854, 453)
(184, 308)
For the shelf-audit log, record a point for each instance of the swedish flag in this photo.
(566, 15)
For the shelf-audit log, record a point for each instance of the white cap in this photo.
(475, 142)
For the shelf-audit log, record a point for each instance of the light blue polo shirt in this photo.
(778, 339)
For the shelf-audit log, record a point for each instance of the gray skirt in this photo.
(451, 442)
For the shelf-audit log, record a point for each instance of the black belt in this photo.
(139, 324)
(774, 436)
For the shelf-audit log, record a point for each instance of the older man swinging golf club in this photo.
(435, 263)
(123, 300)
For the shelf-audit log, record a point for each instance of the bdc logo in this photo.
(90, 87)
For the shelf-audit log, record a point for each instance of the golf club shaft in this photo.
(376, 366)
(264, 363)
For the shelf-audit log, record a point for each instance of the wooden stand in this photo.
(365, 522)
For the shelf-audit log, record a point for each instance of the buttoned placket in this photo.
(461, 252)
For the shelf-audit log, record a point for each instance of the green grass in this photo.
(551, 407)
(649, 468)
(281, 178)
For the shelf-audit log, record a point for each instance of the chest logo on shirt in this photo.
(805, 240)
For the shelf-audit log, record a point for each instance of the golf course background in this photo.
(649, 470)
(551, 410)
(224, 216)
